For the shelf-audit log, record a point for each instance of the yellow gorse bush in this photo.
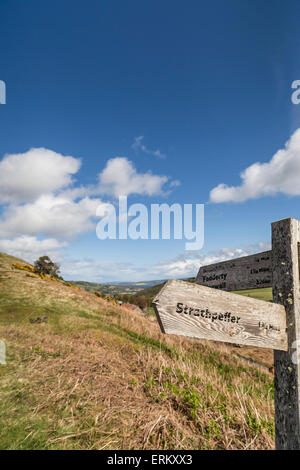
(108, 298)
(24, 267)
(31, 269)
(70, 285)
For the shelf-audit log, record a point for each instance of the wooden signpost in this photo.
(200, 311)
(248, 272)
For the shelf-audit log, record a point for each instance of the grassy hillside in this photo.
(97, 376)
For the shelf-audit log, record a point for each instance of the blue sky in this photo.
(207, 84)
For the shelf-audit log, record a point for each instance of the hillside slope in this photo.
(98, 376)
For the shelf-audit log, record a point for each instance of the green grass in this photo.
(261, 294)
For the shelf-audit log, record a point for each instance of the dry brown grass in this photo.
(97, 376)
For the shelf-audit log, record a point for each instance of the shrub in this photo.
(140, 302)
(44, 265)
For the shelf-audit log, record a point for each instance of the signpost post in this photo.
(201, 311)
(285, 242)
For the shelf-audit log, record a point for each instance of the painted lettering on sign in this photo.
(215, 277)
(247, 272)
(268, 326)
(196, 311)
(212, 316)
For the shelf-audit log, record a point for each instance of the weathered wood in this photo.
(2, 353)
(285, 238)
(187, 309)
(247, 272)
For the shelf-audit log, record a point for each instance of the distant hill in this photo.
(131, 288)
(152, 291)
(141, 284)
(82, 373)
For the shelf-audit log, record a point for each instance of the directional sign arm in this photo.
(247, 272)
(187, 309)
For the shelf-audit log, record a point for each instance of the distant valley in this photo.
(131, 288)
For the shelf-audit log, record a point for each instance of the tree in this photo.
(44, 265)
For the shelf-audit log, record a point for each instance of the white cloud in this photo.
(40, 200)
(138, 145)
(25, 176)
(182, 266)
(39, 197)
(36, 189)
(30, 248)
(50, 215)
(96, 271)
(185, 265)
(120, 178)
(188, 264)
(280, 175)
(175, 183)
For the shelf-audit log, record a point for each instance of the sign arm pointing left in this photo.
(187, 309)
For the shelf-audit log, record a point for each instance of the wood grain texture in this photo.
(247, 272)
(187, 309)
(285, 238)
